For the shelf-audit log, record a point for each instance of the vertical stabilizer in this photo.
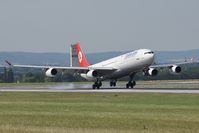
(73, 56)
(77, 56)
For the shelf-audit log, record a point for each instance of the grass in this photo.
(98, 112)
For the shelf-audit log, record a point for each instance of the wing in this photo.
(170, 65)
(101, 70)
(173, 67)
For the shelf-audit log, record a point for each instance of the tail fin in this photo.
(193, 59)
(81, 56)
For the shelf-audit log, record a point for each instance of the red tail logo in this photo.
(81, 56)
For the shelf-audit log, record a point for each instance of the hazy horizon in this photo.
(87, 52)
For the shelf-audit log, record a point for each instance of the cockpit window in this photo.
(151, 52)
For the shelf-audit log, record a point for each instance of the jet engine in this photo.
(151, 72)
(51, 72)
(176, 69)
(92, 73)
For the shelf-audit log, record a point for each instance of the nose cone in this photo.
(150, 58)
(153, 56)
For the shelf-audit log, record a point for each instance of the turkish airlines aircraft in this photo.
(112, 69)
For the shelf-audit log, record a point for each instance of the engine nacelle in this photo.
(176, 69)
(51, 72)
(151, 72)
(92, 74)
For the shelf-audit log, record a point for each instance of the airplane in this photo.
(128, 64)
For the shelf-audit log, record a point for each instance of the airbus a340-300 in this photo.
(112, 69)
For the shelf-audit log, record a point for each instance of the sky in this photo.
(100, 25)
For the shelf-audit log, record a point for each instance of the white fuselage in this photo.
(126, 64)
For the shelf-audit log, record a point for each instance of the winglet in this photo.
(193, 59)
(7, 62)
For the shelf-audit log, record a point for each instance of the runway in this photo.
(177, 87)
(104, 90)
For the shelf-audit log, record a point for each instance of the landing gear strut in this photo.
(131, 83)
(97, 85)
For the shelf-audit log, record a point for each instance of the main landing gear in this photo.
(131, 83)
(113, 83)
(97, 85)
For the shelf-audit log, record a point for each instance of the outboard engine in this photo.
(176, 69)
(51, 72)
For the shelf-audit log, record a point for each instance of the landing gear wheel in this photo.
(100, 84)
(112, 83)
(127, 85)
(94, 86)
(130, 84)
(97, 85)
(134, 83)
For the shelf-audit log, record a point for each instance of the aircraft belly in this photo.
(125, 68)
(115, 75)
(134, 66)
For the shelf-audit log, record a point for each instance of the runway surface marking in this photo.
(175, 90)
